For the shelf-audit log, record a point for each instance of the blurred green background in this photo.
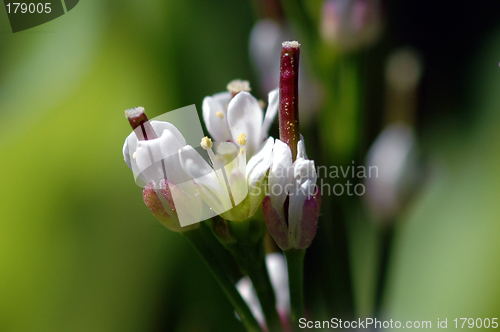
(79, 251)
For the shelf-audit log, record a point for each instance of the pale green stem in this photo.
(295, 263)
(196, 238)
(250, 254)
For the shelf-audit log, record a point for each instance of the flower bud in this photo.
(160, 202)
(395, 156)
(403, 72)
(291, 209)
(350, 24)
(302, 235)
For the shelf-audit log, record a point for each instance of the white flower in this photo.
(144, 157)
(236, 122)
(169, 191)
(234, 190)
(226, 119)
(292, 207)
(232, 185)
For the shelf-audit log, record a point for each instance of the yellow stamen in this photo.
(262, 104)
(242, 139)
(220, 114)
(206, 143)
(134, 155)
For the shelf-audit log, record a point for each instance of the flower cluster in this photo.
(179, 180)
(239, 174)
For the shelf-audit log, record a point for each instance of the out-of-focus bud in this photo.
(399, 168)
(403, 72)
(265, 46)
(160, 202)
(403, 69)
(395, 171)
(350, 24)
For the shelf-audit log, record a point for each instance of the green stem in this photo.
(295, 263)
(297, 14)
(264, 289)
(252, 257)
(226, 260)
(386, 239)
(197, 239)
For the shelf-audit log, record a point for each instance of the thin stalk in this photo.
(295, 263)
(257, 271)
(386, 241)
(227, 261)
(297, 15)
(252, 257)
(196, 238)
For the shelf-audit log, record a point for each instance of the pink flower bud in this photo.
(160, 202)
(302, 235)
(350, 24)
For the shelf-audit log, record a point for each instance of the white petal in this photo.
(170, 148)
(148, 156)
(247, 292)
(153, 157)
(217, 126)
(160, 126)
(304, 171)
(259, 164)
(129, 148)
(280, 175)
(272, 110)
(213, 190)
(304, 184)
(130, 145)
(245, 116)
(301, 148)
(278, 273)
(198, 167)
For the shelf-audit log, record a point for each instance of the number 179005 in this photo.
(20, 7)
